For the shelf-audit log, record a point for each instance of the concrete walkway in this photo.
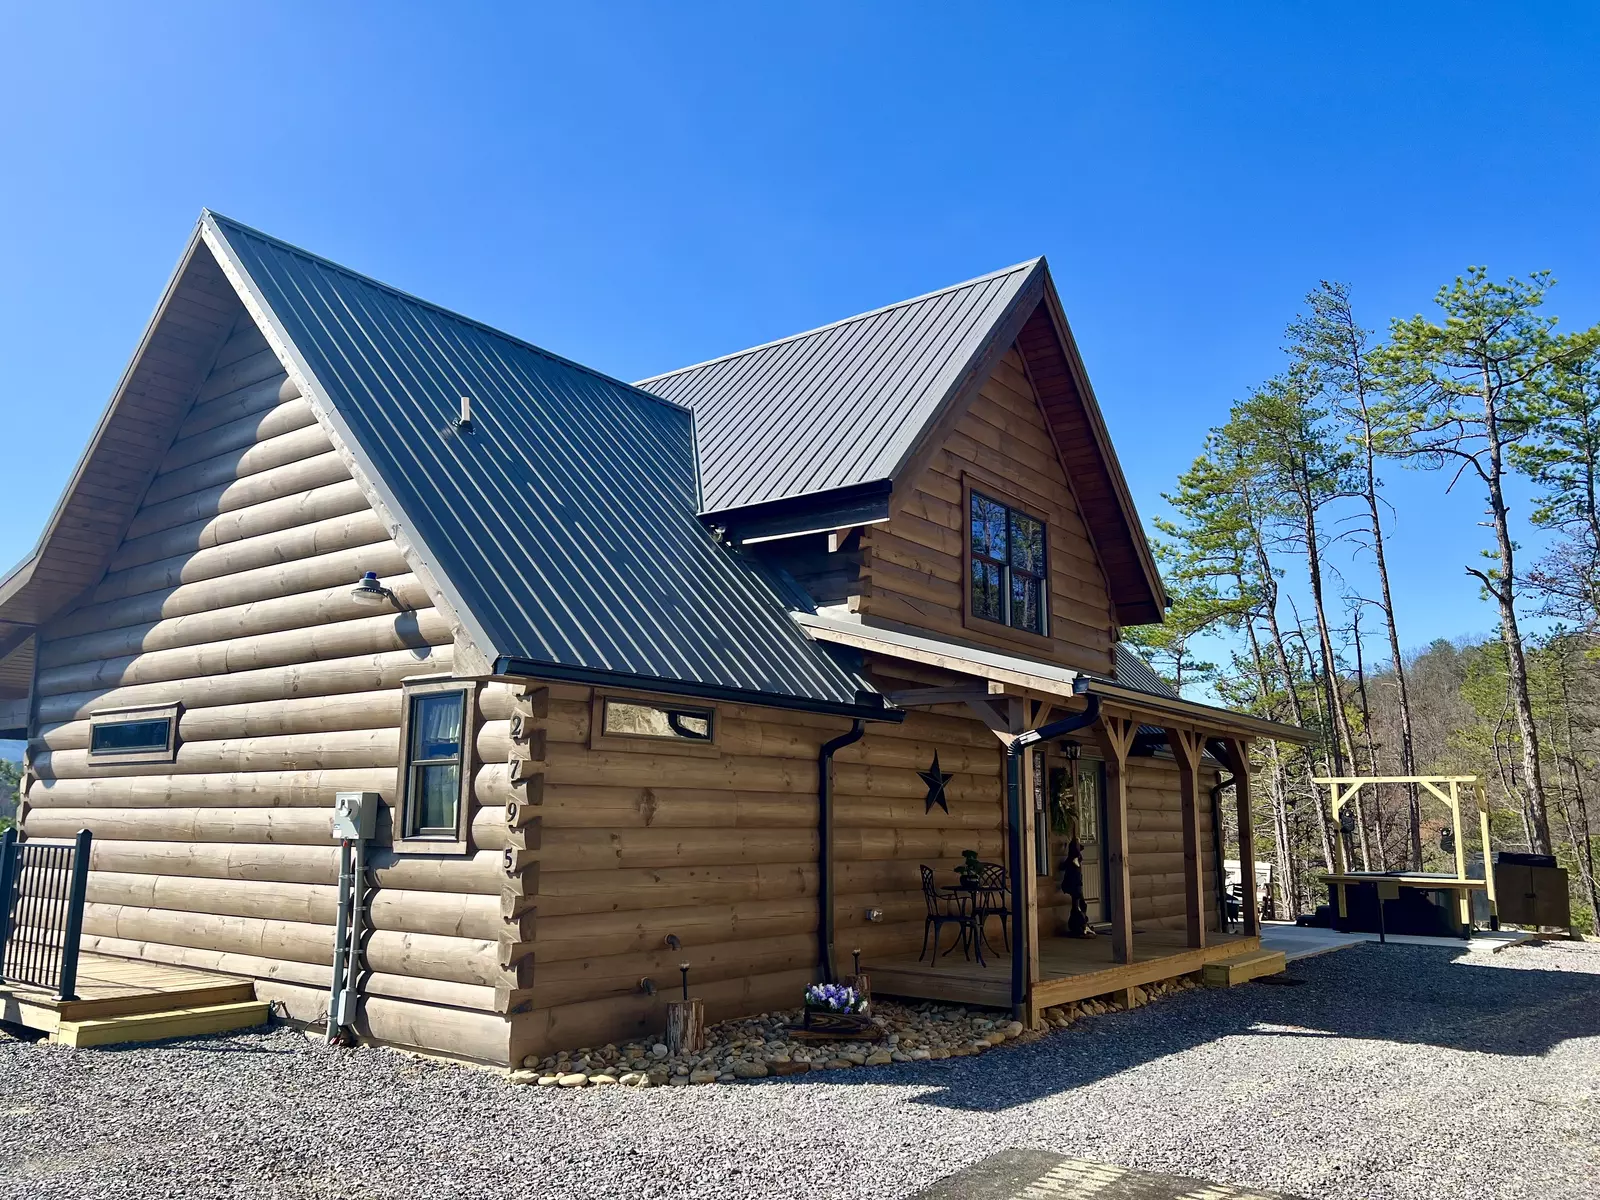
(1023, 1174)
(1305, 941)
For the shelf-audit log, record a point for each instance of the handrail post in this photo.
(74, 932)
(8, 883)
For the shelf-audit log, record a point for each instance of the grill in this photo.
(42, 885)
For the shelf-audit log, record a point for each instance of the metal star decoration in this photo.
(936, 779)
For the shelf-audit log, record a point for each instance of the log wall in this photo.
(231, 594)
(718, 848)
(914, 566)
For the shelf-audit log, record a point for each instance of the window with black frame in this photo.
(433, 763)
(1008, 566)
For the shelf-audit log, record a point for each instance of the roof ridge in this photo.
(413, 298)
(1026, 264)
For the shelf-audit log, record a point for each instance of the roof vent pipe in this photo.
(464, 421)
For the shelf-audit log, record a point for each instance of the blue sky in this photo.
(640, 187)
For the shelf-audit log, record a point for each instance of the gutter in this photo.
(825, 845)
(1020, 927)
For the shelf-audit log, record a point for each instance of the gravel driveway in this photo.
(1388, 1072)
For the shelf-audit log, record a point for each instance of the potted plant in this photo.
(969, 870)
(836, 1009)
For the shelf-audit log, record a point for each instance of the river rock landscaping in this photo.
(764, 1046)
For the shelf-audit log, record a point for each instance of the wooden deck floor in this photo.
(117, 987)
(1069, 968)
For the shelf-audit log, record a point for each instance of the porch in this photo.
(130, 1000)
(1069, 969)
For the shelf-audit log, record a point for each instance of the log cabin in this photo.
(701, 669)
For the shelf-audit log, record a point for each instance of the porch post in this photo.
(1116, 739)
(1030, 880)
(1239, 751)
(1186, 752)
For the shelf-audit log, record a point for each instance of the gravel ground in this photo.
(1390, 1072)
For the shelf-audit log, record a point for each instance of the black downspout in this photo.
(1218, 753)
(825, 845)
(1019, 921)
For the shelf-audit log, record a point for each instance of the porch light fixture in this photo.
(369, 591)
(1071, 749)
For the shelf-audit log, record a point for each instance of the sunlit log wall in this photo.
(231, 594)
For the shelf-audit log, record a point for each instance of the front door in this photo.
(1077, 807)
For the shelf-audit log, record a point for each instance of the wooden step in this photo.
(158, 1026)
(1230, 972)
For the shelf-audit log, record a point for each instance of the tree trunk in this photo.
(1408, 754)
(1504, 592)
(1280, 649)
(1279, 791)
(1372, 750)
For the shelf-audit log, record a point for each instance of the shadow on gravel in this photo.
(1405, 994)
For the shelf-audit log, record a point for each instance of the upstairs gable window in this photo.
(1008, 566)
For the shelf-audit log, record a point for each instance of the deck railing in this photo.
(42, 887)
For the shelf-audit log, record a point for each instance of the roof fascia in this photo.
(475, 654)
(22, 573)
(1097, 424)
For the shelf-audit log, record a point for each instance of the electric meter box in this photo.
(355, 816)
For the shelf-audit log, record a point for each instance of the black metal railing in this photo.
(42, 886)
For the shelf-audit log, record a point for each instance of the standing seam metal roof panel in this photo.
(840, 405)
(565, 522)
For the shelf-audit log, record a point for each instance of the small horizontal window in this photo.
(134, 735)
(130, 735)
(630, 718)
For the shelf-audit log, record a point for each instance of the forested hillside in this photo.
(1486, 392)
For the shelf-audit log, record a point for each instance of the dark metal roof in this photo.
(1134, 672)
(562, 527)
(845, 404)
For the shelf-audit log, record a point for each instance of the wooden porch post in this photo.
(1030, 882)
(1239, 751)
(1116, 739)
(1186, 747)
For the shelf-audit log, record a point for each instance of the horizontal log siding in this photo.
(643, 840)
(913, 566)
(231, 594)
(886, 831)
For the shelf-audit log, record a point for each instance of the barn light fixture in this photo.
(370, 591)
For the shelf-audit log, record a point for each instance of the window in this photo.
(1008, 566)
(633, 718)
(435, 772)
(134, 735)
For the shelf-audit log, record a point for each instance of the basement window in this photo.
(435, 769)
(634, 718)
(148, 734)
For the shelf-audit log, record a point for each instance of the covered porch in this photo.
(1159, 909)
